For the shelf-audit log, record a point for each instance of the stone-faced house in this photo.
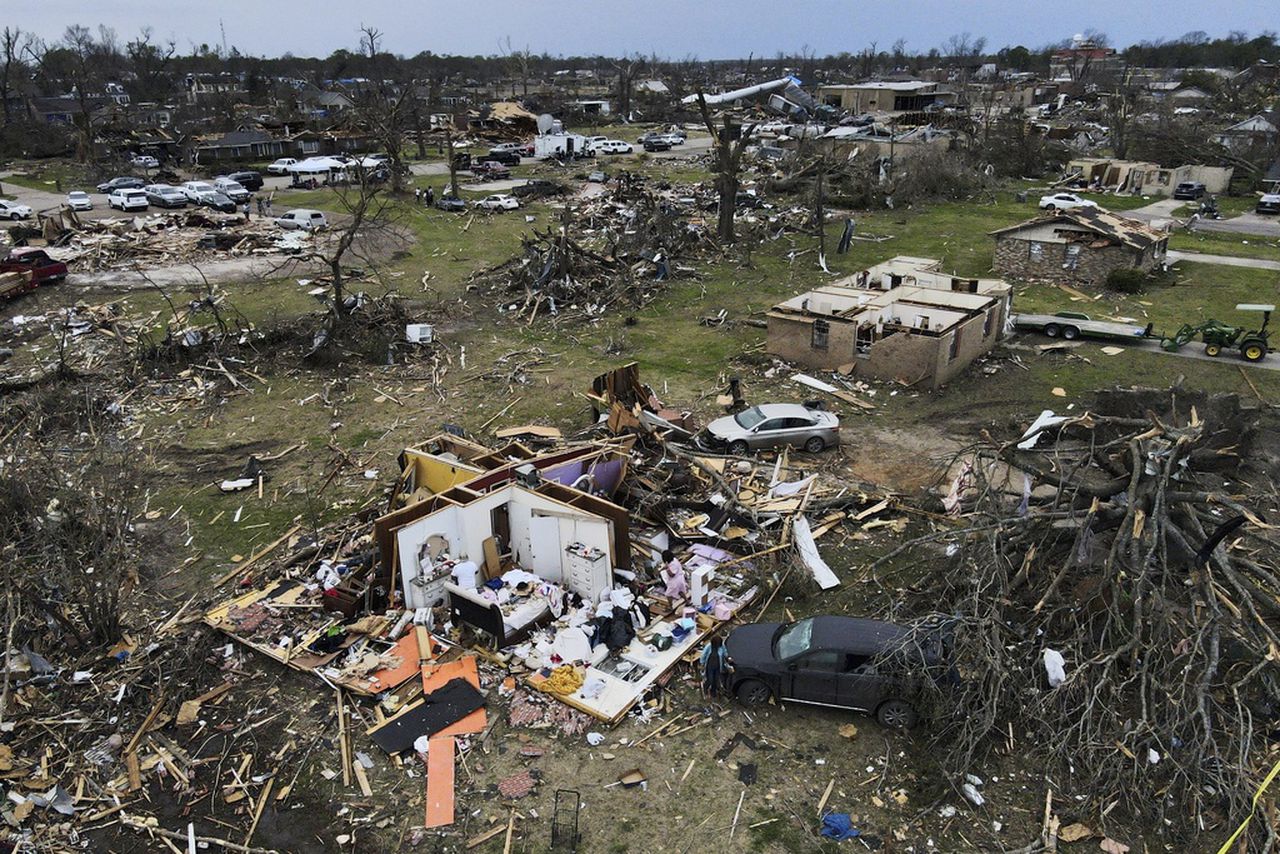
(900, 320)
(1079, 246)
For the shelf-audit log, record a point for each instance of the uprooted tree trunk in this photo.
(1157, 587)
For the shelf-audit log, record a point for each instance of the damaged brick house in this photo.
(1079, 246)
(899, 320)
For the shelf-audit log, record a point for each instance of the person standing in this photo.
(430, 197)
(715, 665)
(246, 210)
(417, 195)
(261, 207)
(673, 577)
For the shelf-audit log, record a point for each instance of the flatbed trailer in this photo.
(1071, 325)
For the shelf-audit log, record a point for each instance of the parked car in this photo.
(231, 189)
(453, 204)
(613, 146)
(251, 181)
(33, 260)
(656, 143)
(831, 661)
(509, 147)
(78, 200)
(1189, 190)
(281, 166)
(597, 177)
(165, 196)
(124, 182)
(144, 161)
(673, 138)
(490, 170)
(537, 187)
(771, 425)
(127, 200)
(506, 158)
(193, 190)
(1065, 202)
(499, 202)
(1268, 204)
(13, 210)
(218, 201)
(302, 218)
(590, 143)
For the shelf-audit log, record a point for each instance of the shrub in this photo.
(1126, 280)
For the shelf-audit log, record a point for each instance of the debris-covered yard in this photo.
(280, 590)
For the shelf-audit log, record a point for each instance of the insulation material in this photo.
(809, 555)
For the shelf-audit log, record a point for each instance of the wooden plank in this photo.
(486, 836)
(362, 779)
(343, 746)
(257, 813)
(492, 560)
(823, 803)
(440, 769)
(261, 553)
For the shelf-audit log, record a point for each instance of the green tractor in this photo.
(1252, 343)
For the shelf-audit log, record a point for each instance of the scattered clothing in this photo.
(839, 826)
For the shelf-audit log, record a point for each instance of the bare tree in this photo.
(13, 44)
(628, 68)
(728, 152)
(520, 62)
(85, 76)
(384, 112)
(150, 63)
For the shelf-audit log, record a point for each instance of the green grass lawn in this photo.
(1222, 243)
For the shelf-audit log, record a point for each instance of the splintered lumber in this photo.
(362, 779)
(822, 804)
(344, 747)
(256, 556)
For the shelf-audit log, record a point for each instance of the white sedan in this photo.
(1065, 202)
(281, 166)
(499, 202)
(78, 200)
(13, 210)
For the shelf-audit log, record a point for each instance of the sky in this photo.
(706, 29)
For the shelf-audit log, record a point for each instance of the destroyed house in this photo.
(504, 508)
(920, 335)
(1083, 245)
(885, 96)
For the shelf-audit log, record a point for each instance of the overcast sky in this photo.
(708, 29)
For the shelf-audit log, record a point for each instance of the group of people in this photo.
(425, 197)
(715, 658)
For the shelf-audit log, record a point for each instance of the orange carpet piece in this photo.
(436, 676)
(439, 781)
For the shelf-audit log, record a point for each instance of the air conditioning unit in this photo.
(528, 475)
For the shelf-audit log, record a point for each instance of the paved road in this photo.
(44, 201)
(1225, 260)
(1193, 350)
(1163, 211)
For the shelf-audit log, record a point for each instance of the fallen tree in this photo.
(1120, 621)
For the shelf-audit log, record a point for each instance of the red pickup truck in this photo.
(490, 169)
(33, 260)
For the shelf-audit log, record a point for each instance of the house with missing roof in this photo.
(903, 319)
(1079, 246)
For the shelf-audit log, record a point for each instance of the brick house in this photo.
(901, 320)
(1078, 246)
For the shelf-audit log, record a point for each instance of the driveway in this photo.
(1191, 350)
(1163, 211)
(1174, 255)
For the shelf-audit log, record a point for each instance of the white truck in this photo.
(560, 146)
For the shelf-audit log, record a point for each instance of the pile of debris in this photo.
(1114, 608)
(170, 238)
(610, 252)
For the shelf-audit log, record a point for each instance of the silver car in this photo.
(769, 426)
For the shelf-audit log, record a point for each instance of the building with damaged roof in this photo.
(1082, 245)
(901, 320)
